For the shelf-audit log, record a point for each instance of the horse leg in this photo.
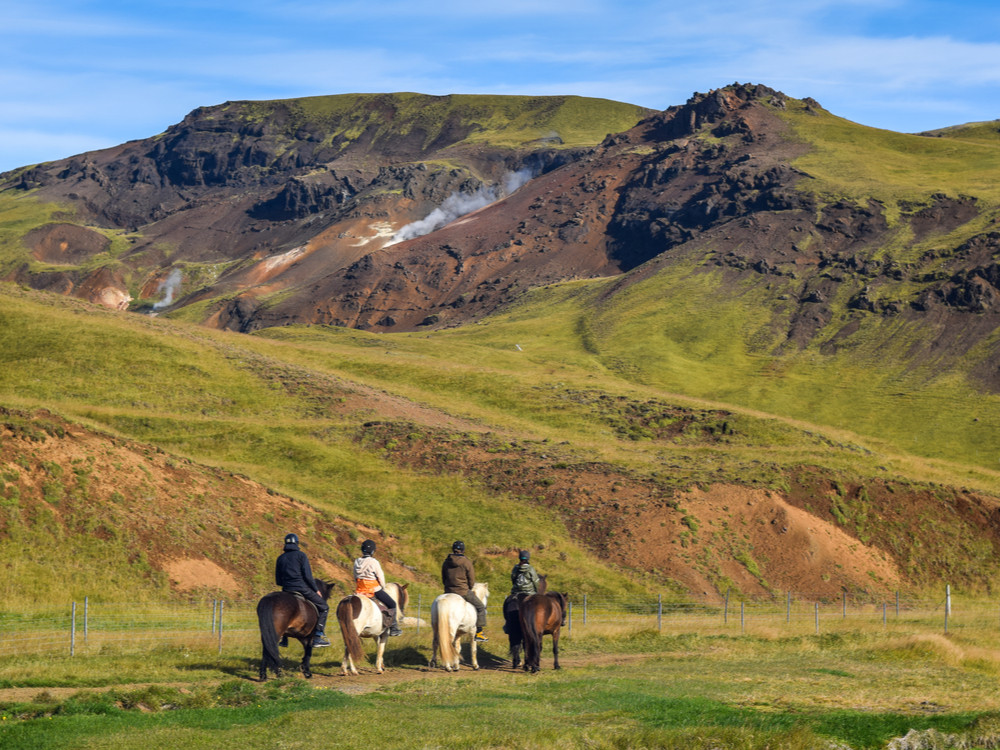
(344, 661)
(434, 650)
(555, 648)
(472, 652)
(379, 651)
(307, 654)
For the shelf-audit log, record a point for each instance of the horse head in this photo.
(404, 597)
(482, 591)
(325, 589)
(543, 583)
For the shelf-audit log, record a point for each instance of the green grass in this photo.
(855, 688)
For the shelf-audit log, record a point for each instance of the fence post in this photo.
(584, 609)
(569, 616)
(788, 606)
(86, 617)
(659, 611)
(725, 611)
(221, 605)
(215, 603)
(947, 606)
(72, 632)
(742, 621)
(845, 605)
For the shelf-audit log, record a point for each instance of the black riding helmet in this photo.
(367, 547)
(458, 547)
(524, 555)
(292, 539)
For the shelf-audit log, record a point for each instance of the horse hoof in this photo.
(308, 675)
(475, 666)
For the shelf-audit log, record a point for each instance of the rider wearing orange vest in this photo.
(369, 580)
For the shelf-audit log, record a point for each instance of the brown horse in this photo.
(512, 622)
(280, 613)
(541, 614)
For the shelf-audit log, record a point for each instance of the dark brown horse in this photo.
(512, 622)
(280, 613)
(541, 614)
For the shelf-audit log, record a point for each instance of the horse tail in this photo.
(268, 634)
(445, 636)
(529, 630)
(345, 618)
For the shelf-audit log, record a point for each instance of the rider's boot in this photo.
(394, 628)
(481, 636)
(319, 640)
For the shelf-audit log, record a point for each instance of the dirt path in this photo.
(327, 677)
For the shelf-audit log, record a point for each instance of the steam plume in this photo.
(169, 286)
(460, 204)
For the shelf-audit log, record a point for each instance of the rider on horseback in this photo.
(370, 581)
(458, 577)
(293, 574)
(524, 579)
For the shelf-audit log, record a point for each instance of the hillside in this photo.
(182, 455)
(741, 343)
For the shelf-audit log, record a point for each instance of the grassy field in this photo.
(854, 688)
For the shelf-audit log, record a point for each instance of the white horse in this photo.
(451, 618)
(359, 617)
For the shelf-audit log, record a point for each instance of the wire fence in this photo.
(90, 627)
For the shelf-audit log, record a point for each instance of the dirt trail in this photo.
(326, 676)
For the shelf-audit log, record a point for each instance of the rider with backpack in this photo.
(458, 577)
(523, 578)
(369, 581)
(293, 574)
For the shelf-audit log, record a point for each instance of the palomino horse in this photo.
(541, 614)
(359, 617)
(512, 621)
(280, 613)
(451, 618)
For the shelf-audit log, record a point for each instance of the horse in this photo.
(281, 613)
(360, 617)
(541, 614)
(512, 623)
(451, 618)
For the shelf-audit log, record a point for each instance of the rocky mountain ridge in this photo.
(285, 213)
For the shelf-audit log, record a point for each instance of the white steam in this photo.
(169, 286)
(460, 204)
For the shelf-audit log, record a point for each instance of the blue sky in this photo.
(78, 75)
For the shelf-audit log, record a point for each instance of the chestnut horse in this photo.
(280, 613)
(512, 622)
(541, 614)
(360, 617)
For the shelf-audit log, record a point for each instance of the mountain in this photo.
(741, 342)
(257, 198)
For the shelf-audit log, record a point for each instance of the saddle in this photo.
(300, 595)
(386, 616)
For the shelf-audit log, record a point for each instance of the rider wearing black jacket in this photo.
(293, 574)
